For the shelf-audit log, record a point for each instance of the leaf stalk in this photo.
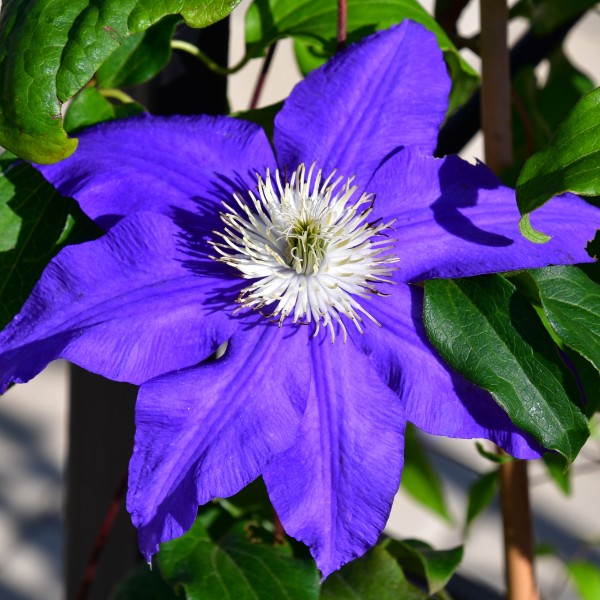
(194, 51)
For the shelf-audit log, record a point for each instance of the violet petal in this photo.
(333, 489)
(208, 431)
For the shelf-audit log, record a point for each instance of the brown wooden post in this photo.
(497, 130)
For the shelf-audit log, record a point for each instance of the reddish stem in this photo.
(105, 529)
(260, 82)
(527, 124)
(342, 24)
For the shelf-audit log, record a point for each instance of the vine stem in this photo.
(262, 77)
(497, 130)
(194, 51)
(342, 24)
(100, 543)
(116, 94)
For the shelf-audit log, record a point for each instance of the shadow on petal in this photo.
(460, 183)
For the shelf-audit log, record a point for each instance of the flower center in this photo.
(308, 250)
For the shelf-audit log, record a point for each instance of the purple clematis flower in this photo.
(208, 232)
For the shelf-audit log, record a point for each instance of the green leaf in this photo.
(486, 330)
(565, 86)
(90, 107)
(586, 578)
(35, 222)
(571, 300)
(419, 478)
(140, 57)
(547, 15)
(143, 583)
(558, 469)
(313, 27)
(481, 494)
(533, 235)
(569, 163)
(235, 567)
(435, 566)
(374, 575)
(495, 457)
(51, 49)
(264, 116)
(588, 378)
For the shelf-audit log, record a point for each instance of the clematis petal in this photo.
(435, 398)
(389, 90)
(207, 431)
(454, 219)
(129, 306)
(161, 164)
(333, 489)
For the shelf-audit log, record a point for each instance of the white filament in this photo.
(309, 252)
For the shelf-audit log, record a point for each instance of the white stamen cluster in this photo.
(308, 250)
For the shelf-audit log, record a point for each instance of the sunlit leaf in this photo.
(374, 575)
(51, 49)
(488, 331)
(569, 163)
(140, 57)
(571, 300)
(235, 566)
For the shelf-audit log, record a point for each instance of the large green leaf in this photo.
(419, 478)
(51, 49)
(571, 300)
(140, 56)
(481, 494)
(419, 558)
(235, 567)
(570, 162)
(489, 332)
(35, 222)
(374, 575)
(313, 27)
